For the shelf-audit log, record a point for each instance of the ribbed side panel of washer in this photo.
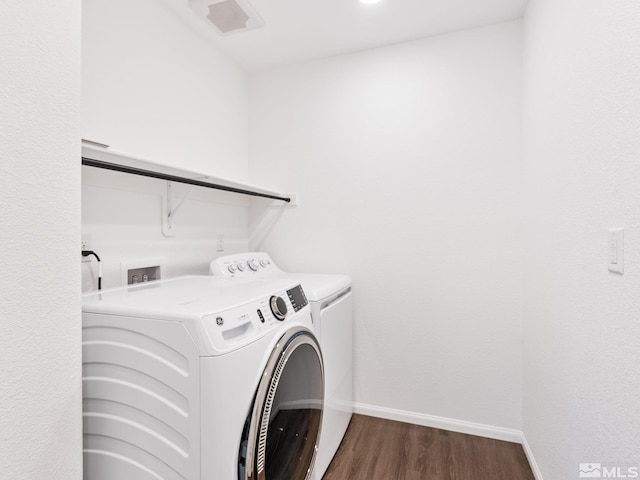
(140, 400)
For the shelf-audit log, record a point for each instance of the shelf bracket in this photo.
(169, 211)
(167, 220)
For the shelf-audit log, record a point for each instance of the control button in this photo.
(231, 268)
(253, 264)
(263, 263)
(241, 267)
(260, 316)
(278, 307)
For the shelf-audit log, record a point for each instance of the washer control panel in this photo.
(278, 307)
(243, 265)
(297, 298)
(231, 328)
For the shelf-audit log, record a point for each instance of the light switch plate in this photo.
(615, 250)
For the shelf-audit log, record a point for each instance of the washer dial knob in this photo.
(231, 268)
(278, 307)
(253, 264)
(241, 267)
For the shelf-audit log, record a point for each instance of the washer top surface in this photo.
(182, 297)
(249, 265)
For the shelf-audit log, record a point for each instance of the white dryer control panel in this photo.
(244, 265)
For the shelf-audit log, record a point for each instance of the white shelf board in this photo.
(119, 158)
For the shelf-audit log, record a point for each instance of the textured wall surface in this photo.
(40, 385)
(407, 159)
(581, 176)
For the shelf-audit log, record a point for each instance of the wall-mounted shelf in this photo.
(99, 157)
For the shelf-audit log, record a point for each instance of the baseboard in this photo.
(461, 426)
(532, 460)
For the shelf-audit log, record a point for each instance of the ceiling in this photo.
(301, 30)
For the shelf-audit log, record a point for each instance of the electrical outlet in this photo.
(86, 245)
(220, 242)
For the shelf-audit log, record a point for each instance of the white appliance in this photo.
(331, 303)
(200, 378)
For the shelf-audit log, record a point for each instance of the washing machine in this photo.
(201, 378)
(331, 303)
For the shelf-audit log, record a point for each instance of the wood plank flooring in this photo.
(378, 449)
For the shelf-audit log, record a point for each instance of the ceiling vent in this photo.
(228, 16)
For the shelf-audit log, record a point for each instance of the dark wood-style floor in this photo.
(378, 449)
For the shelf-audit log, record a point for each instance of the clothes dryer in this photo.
(201, 378)
(331, 303)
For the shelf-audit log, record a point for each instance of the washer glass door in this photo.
(282, 431)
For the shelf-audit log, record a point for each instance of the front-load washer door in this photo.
(281, 435)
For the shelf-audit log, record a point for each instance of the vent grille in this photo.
(228, 16)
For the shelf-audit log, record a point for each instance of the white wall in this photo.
(154, 88)
(122, 218)
(40, 393)
(407, 163)
(581, 175)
